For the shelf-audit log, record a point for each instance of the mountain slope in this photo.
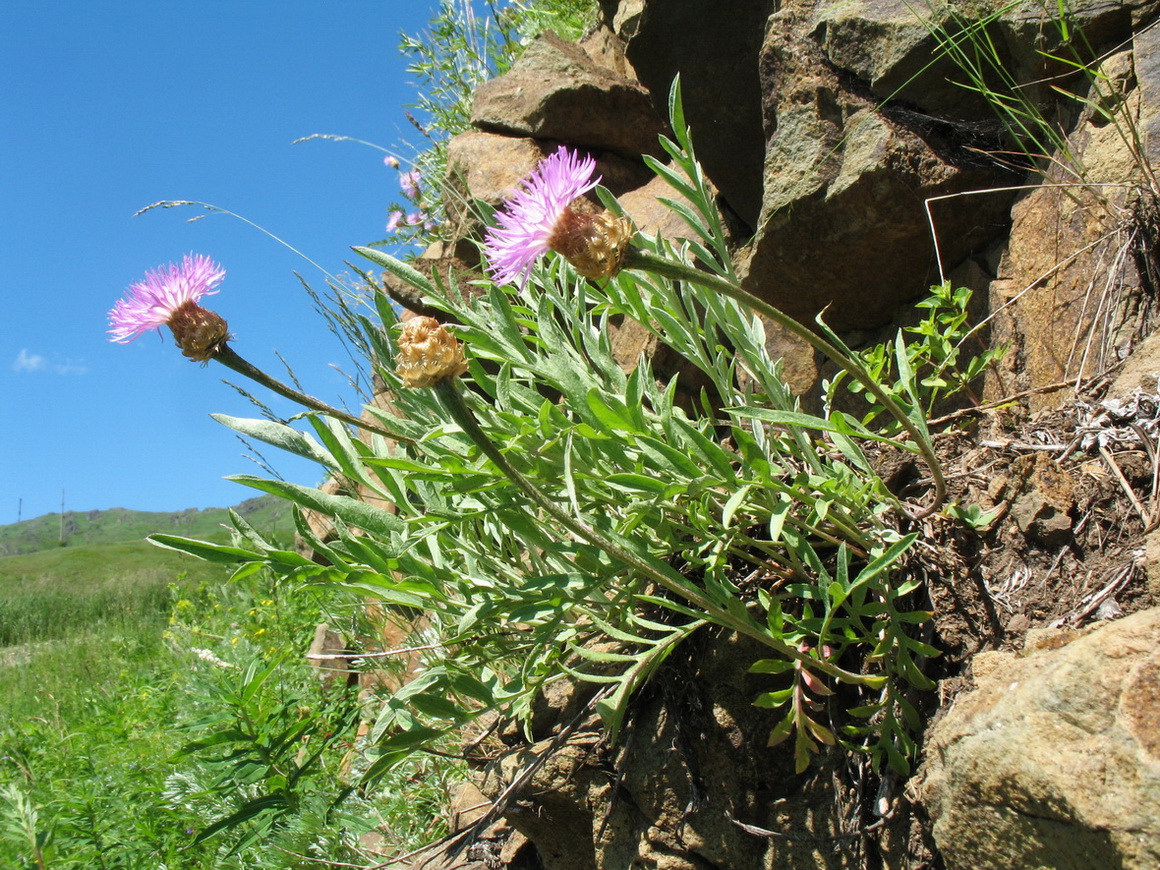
(117, 525)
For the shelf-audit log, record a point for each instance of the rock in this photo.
(548, 813)
(800, 366)
(1058, 326)
(1152, 564)
(331, 668)
(607, 51)
(716, 56)
(487, 167)
(1069, 297)
(555, 91)
(1042, 495)
(651, 216)
(466, 805)
(890, 47)
(1141, 370)
(1053, 759)
(842, 220)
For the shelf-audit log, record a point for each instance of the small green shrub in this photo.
(153, 745)
(936, 359)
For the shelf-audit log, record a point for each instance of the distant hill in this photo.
(267, 514)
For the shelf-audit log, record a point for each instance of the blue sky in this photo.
(110, 107)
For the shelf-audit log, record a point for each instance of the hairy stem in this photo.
(230, 359)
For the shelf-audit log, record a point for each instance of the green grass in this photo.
(105, 587)
(117, 672)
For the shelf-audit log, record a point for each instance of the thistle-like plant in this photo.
(556, 517)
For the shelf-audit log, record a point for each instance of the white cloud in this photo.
(26, 361)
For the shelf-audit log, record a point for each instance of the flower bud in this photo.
(199, 332)
(428, 353)
(595, 244)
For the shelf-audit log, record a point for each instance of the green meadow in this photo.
(155, 715)
(69, 591)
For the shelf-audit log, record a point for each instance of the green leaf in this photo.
(637, 483)
(773, 700)
(780, 732)
(219, 553)
(884, 560)
(260, 806)
(716, 456)
(389, 590)
(808, 421)
(436, 706)
(612, 709)
(734, 502)
(611, 412)
(771, 666)
(669, 458)
(398, 268)
(279, 435)
(349, 510)
(398, 747)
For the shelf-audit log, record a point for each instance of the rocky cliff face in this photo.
(854, 171)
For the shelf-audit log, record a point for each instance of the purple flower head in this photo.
(409, 182)
(150, 304)
(392, 161)
(415, 218)
(526, 226)
(394, 221)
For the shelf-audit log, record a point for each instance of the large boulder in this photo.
(1071, 295)
(1053, 759)
(556, 91)
(715, 52)
(846, 176)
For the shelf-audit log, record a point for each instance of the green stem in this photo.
(637, 259)
(230, 359)
(452, 399)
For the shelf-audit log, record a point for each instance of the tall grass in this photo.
(106, 588)
(121, 742)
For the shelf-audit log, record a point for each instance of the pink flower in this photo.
(409, 182)
(533, 214)
(392, 161)
(415, 218)
(394, 221)
(151, 303)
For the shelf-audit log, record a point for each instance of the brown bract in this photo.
(428, 353)
(199, 332)
(595, 244)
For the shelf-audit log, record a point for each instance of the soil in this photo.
(1020, 572)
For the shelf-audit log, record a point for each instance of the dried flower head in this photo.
(428, 353)
(168, 296)
(199, 332)
(542, 216)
